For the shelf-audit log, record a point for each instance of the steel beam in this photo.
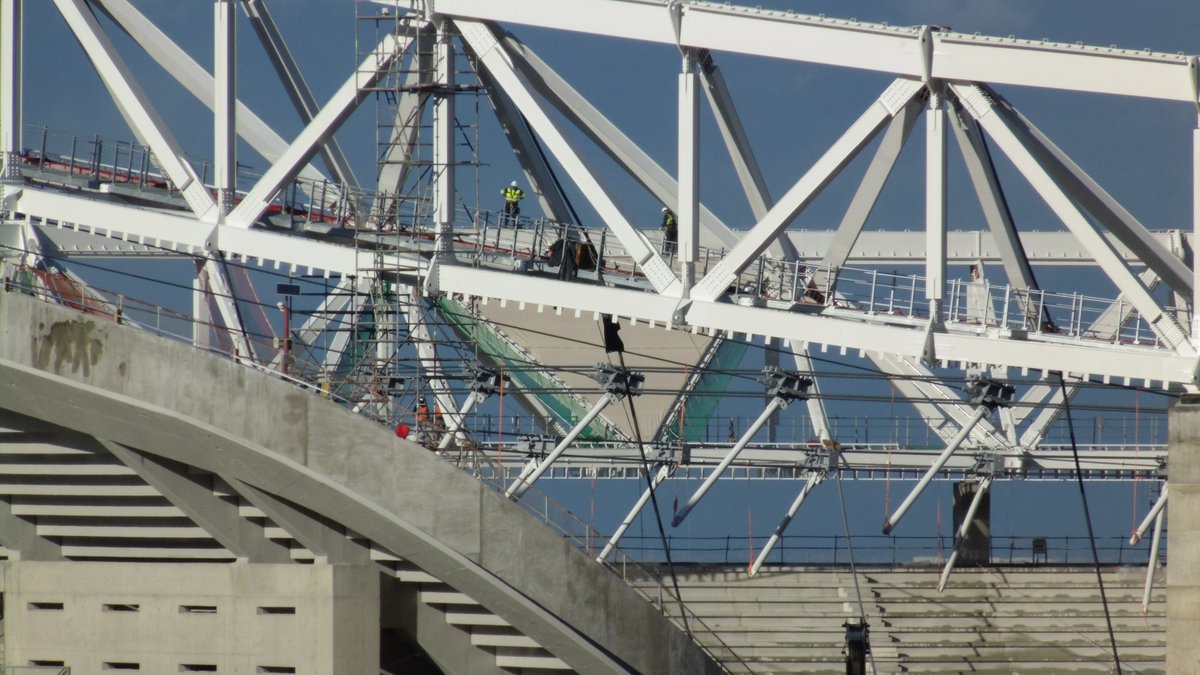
(853, 44)
(814, 479)
(660, 474)
(1154, 512)
(959, 536)
(482, 41)
(196, 79)
(756, 241)
(135, 106)
(443, 145)
(935, 204)
(610, 139)
(981, 107)
(326, 122)
(297, 89)
(688, 145)
(865, 198)
(526, 480)
(1152, 564)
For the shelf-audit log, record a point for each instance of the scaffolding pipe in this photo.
(1150, 517)
(962, 530)
(775, 404)
(894, 519)
(814, 479)
(523, 483)
(659, 477)
(1153, 564)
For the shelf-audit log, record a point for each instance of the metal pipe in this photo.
(659, 477)
(775, 404)
(523, 483)
(938, 463)
(1153, 564)
(814, 479)
(1154, 511)
(962, 530)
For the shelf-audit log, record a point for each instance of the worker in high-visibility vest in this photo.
(670, 230)
(422, 413)
(512, 201)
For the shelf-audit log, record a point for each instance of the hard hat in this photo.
(514, 183)
(664, 209)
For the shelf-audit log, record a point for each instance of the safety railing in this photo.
(917, 551)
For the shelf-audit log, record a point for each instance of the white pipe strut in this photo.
(659, 477)
(814, 479)
(775, 404)
(891, 522)
(1153, 564)
(523, 483)
(1154, 511)
(962, 530)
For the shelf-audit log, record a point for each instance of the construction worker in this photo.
(422, 414)
(670, 230)
(439, 423)
(512, 202)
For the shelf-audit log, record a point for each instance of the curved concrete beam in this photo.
(66, 368)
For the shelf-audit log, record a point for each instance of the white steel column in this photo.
(526, 480)
(1196, 234)
(935, 203)
(443, 143)
(688, 210)
(1154, 511)
(10, 88)
(224, 105)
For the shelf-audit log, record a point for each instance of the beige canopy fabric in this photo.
(563, 341)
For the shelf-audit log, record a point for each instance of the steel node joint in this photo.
(785, 384)
(990, 393)
(618, 382)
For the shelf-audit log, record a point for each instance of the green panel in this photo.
(715, 380)
(534, 383)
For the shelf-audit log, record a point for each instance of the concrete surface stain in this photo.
(68, 344)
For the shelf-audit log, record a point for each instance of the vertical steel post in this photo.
(224, 105)
(10, 90)
(688, 209)
(935, 204)
(443, 145)
(1152, 564)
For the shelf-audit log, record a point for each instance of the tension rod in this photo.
(484, 382)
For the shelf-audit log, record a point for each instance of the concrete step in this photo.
(461, 616)
(482, 637)
(522, 662)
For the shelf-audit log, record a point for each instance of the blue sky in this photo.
(1139, 150)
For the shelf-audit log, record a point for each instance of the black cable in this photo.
(1088, 517)
(662, 533)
